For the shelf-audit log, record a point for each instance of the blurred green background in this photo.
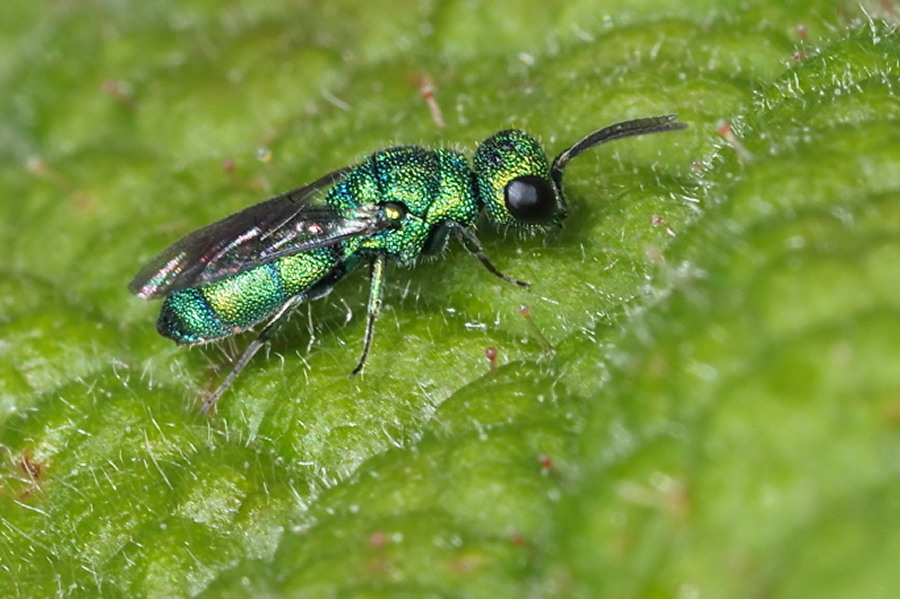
(719, 419)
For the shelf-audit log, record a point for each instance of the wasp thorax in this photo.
(513, 182)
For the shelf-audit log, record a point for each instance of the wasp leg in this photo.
(282, 315)
(376, 291)
(470, 242)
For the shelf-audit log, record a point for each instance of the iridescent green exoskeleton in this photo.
(398, 204)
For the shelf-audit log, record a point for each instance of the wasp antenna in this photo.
(654, 124)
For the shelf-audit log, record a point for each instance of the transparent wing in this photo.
(286, 224)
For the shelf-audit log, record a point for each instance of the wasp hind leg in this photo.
(280, 317)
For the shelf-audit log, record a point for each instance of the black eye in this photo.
(530, 199)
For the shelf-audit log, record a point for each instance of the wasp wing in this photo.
(286, 224)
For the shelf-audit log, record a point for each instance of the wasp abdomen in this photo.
(223, 308)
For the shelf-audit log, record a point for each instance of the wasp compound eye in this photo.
(530, 199)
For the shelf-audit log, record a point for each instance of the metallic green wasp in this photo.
(398, 204)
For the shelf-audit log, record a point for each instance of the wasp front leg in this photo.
(470, 242)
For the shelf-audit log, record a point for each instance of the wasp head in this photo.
(519, 188)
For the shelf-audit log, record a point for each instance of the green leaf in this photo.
(719, 417)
